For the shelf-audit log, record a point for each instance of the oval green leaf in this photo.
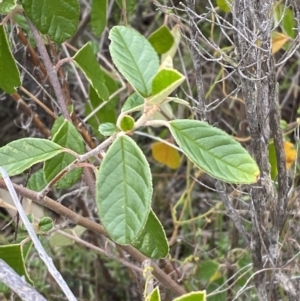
(135, 58)
(152, 241)
(98, 16)
(37, 181)
(127, 123)
(21, 154)
(289, 23)
(86, 61)
(108, 129)
(57, 18)
(161, 39)
(133, 103)
(45, 224)
(9, 72)
(214, 151)
(124, 190)
(164, 83)
(6, 6)
(68, 137)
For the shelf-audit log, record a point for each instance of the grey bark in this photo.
(9, 277)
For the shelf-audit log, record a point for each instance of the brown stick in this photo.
(97, 228)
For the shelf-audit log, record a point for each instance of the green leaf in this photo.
(193, 296)
(30, 217)
(9, 73)
(13, 256)
(273, 160)
(134, 57)
(45, 224)
(37, 181)
(98, 16)
(164, 83)
(178, 100)
(68, 137)
(107, 111)
(289, 23)
(127, 123)
(21, 154)
(57, 18)
(177, 37)
(215, 285)
(58, 240)
(152, 241)
(154, 296)
(6, 6)
(208, 269)
(87, 62)
(108, 129)
(223, 5)
(214, 151)
(124, 190)
(161, 40)
(133, 103)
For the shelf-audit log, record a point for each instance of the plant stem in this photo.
(51, 71)
(75, 218)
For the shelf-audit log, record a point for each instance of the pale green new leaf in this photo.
(37, 181)
(9, 73)
(163, 84)
(108, 129)
(98, 16)
(154, 296)
(21, 154)
(133, 103)
(124, 190)
(178, 100)
(6, 6)
(152, 241)
(214, 151)
(86, 61)
(135, 58)
(68, 137)
(58, 240)
(223, 5)
(57, 18)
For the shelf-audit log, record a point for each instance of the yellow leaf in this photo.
(290, 154)
(165, 154)
(278, 40)
(215, 276)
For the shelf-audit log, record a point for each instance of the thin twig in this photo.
(160, 275)
(50, 71)
(42, 253)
